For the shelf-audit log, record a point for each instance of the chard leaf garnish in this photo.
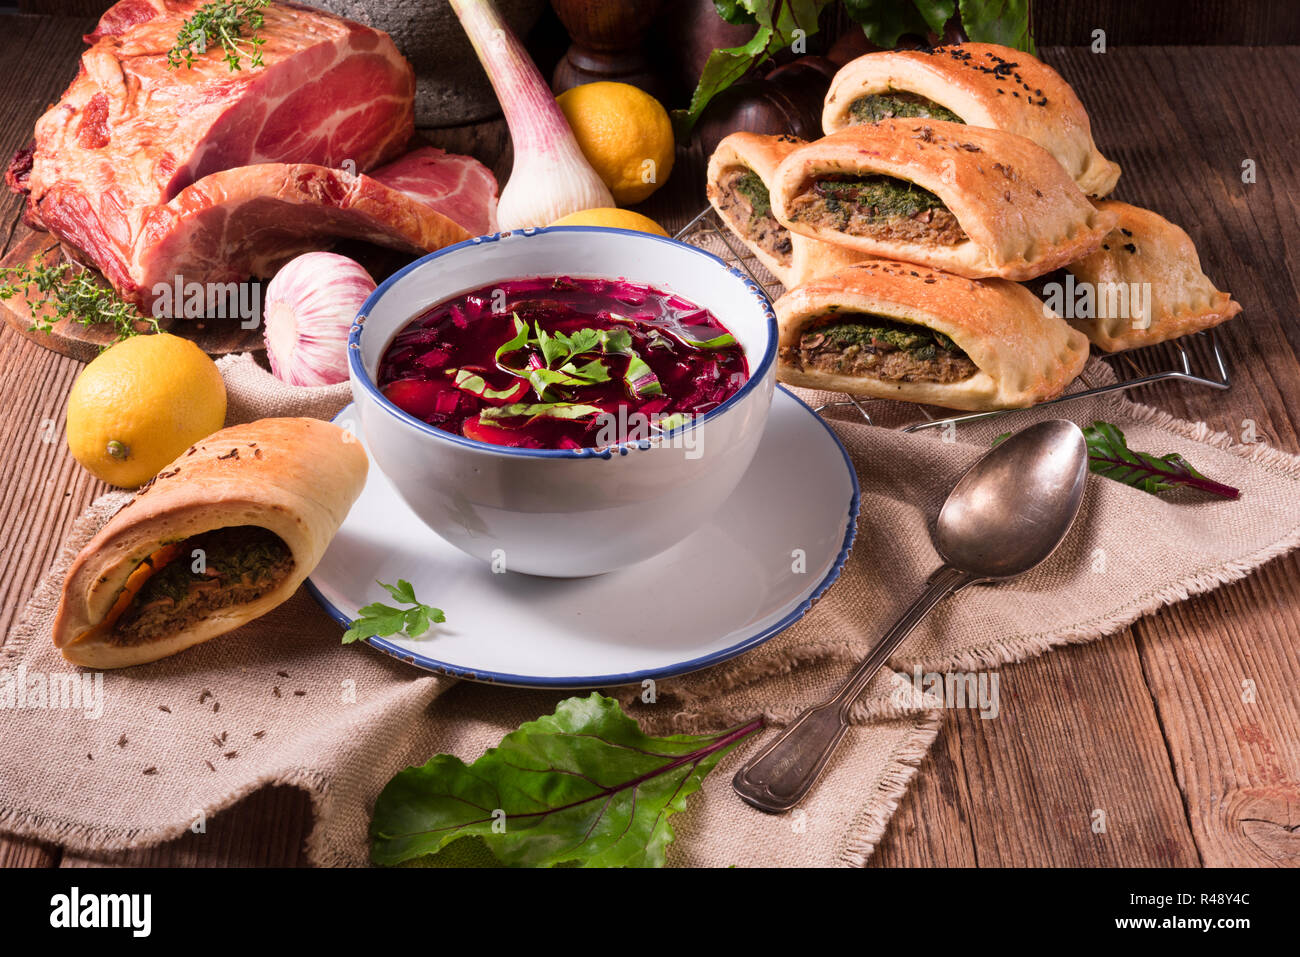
(584, 785)
(535, 410)
(640, 378)
(1110, 456)
(717, 342)
(474, 383)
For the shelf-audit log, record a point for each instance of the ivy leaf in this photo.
(1110, 456)
(584, 786)
(998, 21)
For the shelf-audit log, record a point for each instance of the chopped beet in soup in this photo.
(561, 363)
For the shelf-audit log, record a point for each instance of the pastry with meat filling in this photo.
(739, 171)
(975, 202)
(892, 330)
(1149, 268)
(221, 536)
(980, 84)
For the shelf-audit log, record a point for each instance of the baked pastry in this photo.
(739, 172)
(975, 202)
(1146, 284)
(981, 84)
(892, 330)
(221, 536)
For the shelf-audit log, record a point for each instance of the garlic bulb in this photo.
(309, 308)
(551, 178)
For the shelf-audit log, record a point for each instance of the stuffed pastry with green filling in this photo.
(975, 202)
(892, 330)
(980, 84)
(739, 171)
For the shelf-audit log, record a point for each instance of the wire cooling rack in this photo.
(1197, 359)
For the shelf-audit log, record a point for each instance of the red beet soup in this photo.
(558, 362)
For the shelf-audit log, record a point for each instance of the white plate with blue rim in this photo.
(754, 569)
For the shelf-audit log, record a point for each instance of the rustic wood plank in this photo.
(1237, 761)
(931, 827)
(1077, 736)
(41, 489)
(1166, 22)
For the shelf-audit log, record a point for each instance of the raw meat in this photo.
(459, 187)
(213, 175)
(131, 128)
(251, 220)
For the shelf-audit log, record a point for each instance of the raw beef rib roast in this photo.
(149, 172)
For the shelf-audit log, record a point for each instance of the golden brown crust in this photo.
(1022, 215)
(295, 477)
(1145, 251)
(1024, 352)
(809, 258)
(986, 85)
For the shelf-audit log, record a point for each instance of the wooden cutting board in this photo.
(216, 337)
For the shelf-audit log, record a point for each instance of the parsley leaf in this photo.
(380, 620)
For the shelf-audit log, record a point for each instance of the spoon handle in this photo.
(777, 778)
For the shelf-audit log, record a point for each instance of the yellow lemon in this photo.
(140, 404)
(625, 134)
(615, 218)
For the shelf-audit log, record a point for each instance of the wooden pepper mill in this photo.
(607, 43)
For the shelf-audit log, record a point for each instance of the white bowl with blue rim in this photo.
(566, 512)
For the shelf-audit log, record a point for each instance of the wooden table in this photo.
(1148, 725)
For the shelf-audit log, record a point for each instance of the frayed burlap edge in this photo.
(867, 830)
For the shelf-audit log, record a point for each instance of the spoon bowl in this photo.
(1013, 507)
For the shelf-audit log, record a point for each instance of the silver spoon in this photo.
(1006, 515)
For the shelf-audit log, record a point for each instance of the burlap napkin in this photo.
(281, 701)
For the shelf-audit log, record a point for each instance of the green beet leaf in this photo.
(1110, 456)
(582, 786)
(884, 21)
(997, 21)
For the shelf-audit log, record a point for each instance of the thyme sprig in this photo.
(78, 297)
(222, 23)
